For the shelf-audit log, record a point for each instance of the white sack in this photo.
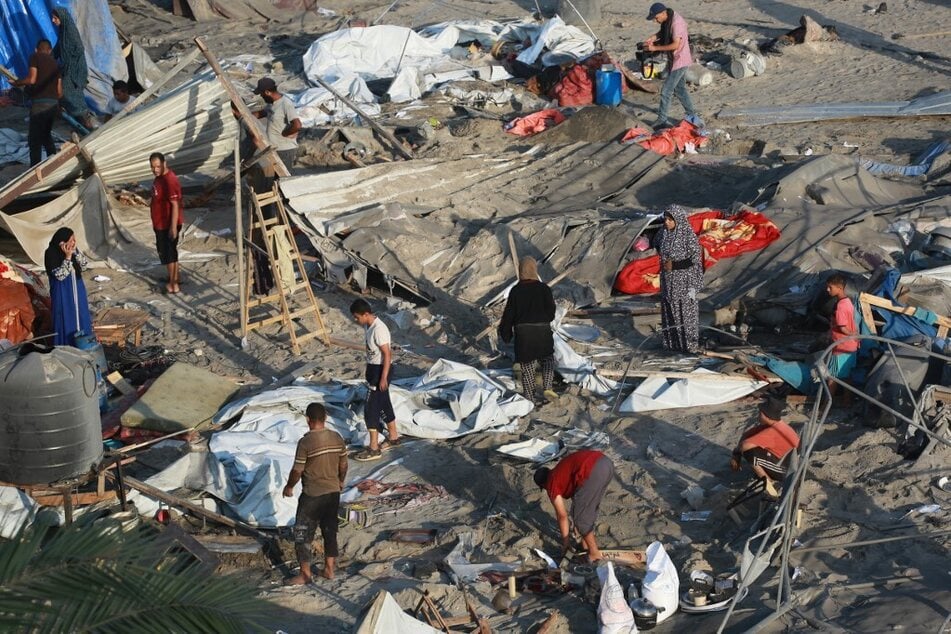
(614, 614)
(661, 583)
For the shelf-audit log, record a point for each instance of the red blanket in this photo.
(534, 123)
(666, 141)
(720, 237)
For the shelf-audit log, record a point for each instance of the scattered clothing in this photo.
(534, 123)
(676, 139)
(681, 278)
(399, 495)
(772, 447)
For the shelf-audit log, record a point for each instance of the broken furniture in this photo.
(277, 238)
(868, 301)
(430, 611)
(116, 325)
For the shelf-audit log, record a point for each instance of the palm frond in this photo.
(86, 578)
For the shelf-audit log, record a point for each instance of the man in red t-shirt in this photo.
(581, 477)
(767, 446)
(167, 217)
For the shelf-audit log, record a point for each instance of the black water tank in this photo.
(49, 415)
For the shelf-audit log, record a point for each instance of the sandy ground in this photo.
(858, 489)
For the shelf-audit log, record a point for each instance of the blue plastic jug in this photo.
(607, 86)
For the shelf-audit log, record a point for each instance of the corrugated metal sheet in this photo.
(937, 104)
(192, 125)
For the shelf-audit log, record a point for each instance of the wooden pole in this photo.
(250, 122)
(239, 238)
(386, 134)
(513, 252)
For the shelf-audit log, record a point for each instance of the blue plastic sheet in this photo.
(25, 22)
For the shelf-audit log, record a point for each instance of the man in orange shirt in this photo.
(767, 446)
(841, 326)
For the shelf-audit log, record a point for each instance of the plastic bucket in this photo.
(607, 87)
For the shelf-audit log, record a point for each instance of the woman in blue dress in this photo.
(64, 266)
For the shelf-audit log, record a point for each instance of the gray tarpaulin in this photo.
(830, 213)
(84, 209)
(388, 210)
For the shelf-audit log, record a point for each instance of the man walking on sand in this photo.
(321, 463)
(167, 217)
(581, 477)
(672, 39)
(378, 411)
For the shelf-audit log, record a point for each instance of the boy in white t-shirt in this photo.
(378, 411)
(121, 99)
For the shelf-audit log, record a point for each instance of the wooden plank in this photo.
(867, 316)
(78, 499)
(608, 373)
(34, 177)
(881, 302)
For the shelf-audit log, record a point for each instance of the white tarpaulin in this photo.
(465, 570)
(385, 616)
(16, 509)
(311, 103)
(709, 388)
(562, 42)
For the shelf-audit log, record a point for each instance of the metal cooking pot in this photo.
(645, 614)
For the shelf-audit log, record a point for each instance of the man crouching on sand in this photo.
(581, 477)
(321, 462)
(767, 446)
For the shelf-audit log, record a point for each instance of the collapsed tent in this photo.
(191, 124)
(25, 22)
(203, 10)
(708, 388)
(249, 462)
(385, 616)
(832, 215)
(84, 209)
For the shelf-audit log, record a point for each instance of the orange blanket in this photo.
(720, 237)
(534, 123)
(666, 141)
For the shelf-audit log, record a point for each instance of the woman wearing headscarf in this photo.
(70, 307)
(71, 54)
(528, 314)
(681, 278)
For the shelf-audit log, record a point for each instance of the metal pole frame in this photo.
(785, 513)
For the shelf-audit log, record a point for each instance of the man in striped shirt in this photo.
(321, 463)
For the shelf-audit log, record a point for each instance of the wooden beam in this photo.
(35, 175)
(78, 499)
(943, 323)
(191, 507)
(249, 120)
(386, 134)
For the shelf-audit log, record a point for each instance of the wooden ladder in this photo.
(270, 231)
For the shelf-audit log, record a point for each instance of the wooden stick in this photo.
(6, 72)
(902, 36)
(386, 134)
(249, 120)
(649, 374)
(513, 252)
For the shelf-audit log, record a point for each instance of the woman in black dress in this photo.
(528, 314)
